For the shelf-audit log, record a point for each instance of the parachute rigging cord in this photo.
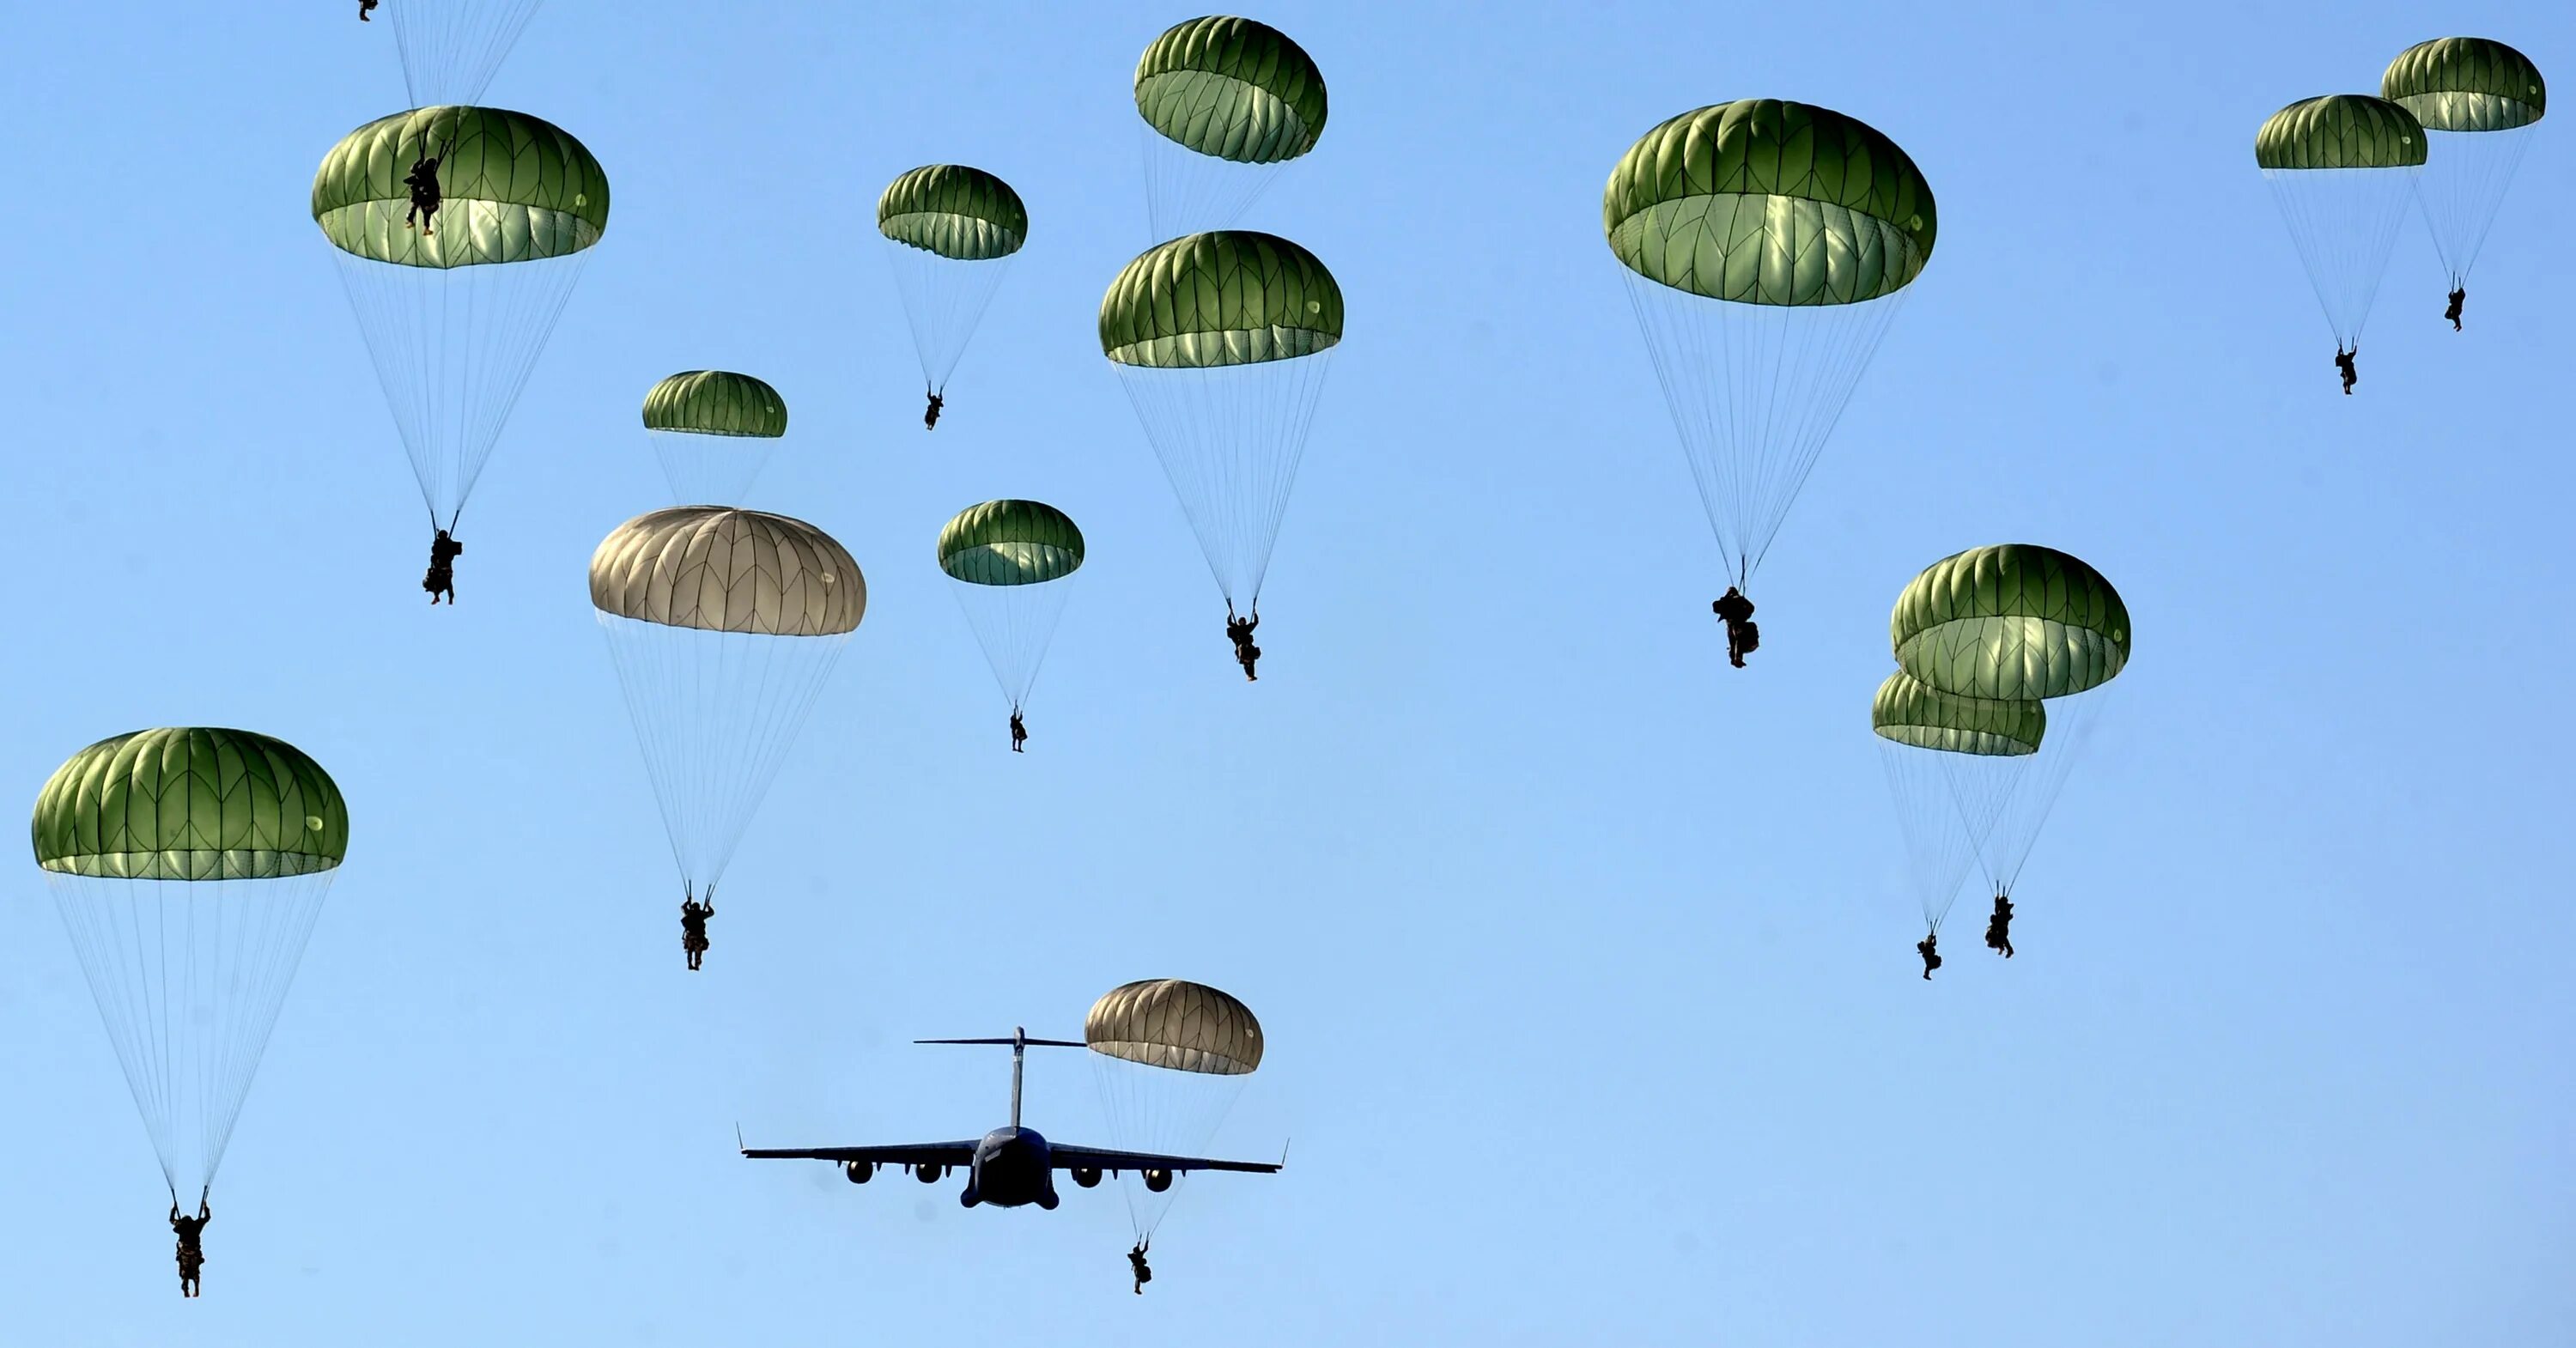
(1755, 391)
(1943, 832)
(1230, 439)
(2032, 796)
(706, 468)
(1189, 193)
(454, 348)
(1014, 624)
(1167, 1112)
(2463, 188)
(715, 714)
(1961, 811)
(2344, 223)
(944, 300)
(189, 977)
(452, 48)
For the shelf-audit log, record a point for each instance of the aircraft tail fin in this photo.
(1018, 1044)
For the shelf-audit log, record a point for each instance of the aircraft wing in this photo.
(1067, 1158)
(959, 1154)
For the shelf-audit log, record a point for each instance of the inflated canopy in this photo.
(716, 402)
(512, 188)
(1230, 297)
(2340, 131)
(1910, 711)
(2466, 84)
(1166, 1022)
(190, 803)
(954, 211)
(1232, 88)
(1010, 543)
(719, 569)
(2010, 622)
(1764, 201)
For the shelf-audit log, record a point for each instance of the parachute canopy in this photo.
(190, 804)
(513, 188)
(1010, 543)
(1763, 201)
(719, 569)
(189, 866)
(715, 402)
(2012, 621)
(1166, 1022)
(1231, 88)
(1230, 297)
(1911, 712)
(2340, 131)
(955, 211)
(2466, 84)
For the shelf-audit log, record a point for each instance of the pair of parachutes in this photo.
(2452, 122)
(2001, 656)
(189, 864)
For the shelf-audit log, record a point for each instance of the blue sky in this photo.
(1584, 959)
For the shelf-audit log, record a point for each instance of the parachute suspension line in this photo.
(2463, 189)
(944, 300)
(1015, 624)
(122, 967)
(189, 978)
(1158, 1109)
(1755, 391)
(454, 348)
(452, 48)
(2035, 789)
(266, 958)
(707, 469)
(1941, 836)
(2344, 223)
(1191, 193)
(715, 714)
(1230, 440)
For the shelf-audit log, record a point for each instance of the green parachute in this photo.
(1222, 342)
(713, 430)
(724, 625)
(1007, 561)
(189, 866)
(1170, 1058)
(1224, 103)
(2003, 653)
(2480, 103)
(1767, 246)
(2342, 168)
(457, 308)
(950, 234)
(2016, 620)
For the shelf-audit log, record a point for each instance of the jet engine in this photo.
(1158, 1180)
(860, 1172)
(929, 1174)
(1088, 1176)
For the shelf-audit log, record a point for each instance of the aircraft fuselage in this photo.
(1013, 1168)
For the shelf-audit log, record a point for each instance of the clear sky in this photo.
(1584, 959)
